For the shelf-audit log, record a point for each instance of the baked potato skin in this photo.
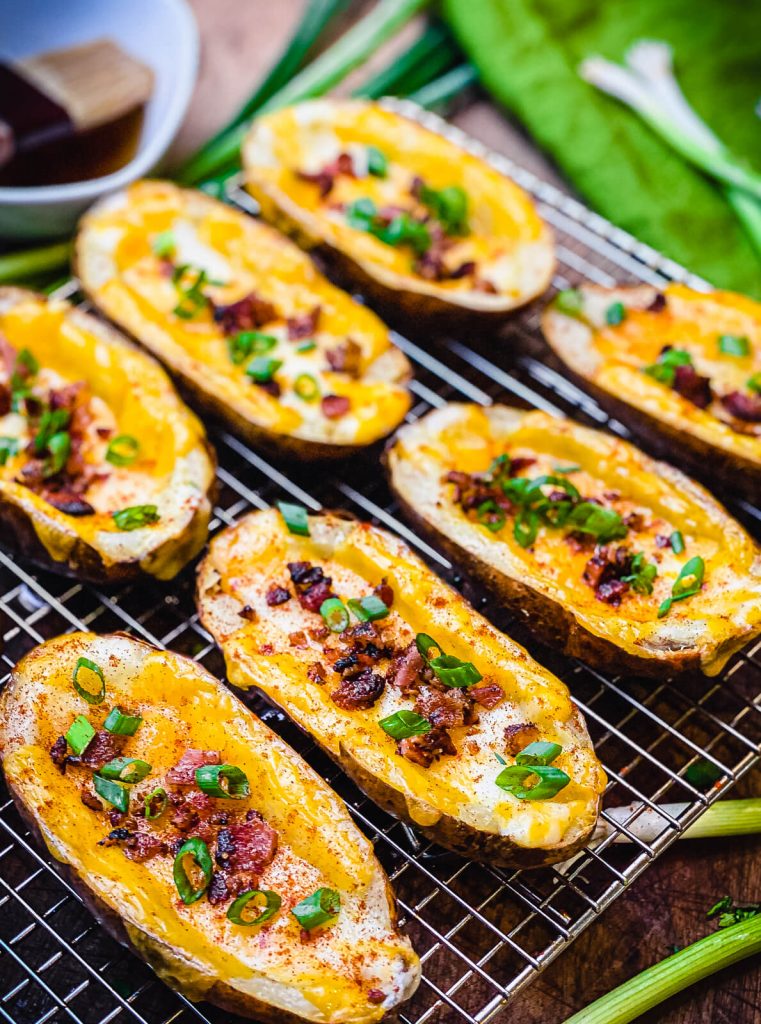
(715, 463)
(182, 969)
(67, 552)
(219, 602)
(406, 296)
(201, 390)
(552, 622)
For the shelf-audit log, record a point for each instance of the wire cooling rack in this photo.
(482, 933)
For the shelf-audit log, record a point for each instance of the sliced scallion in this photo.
(377, 162)
(570, 301)
(368, 609)
(754, 383)
(120, 724)
(8, 446)
(113, 792)
(225, 781)
(540, 752)
(677, 542)
(126, 769)
(249, 343)
(79, 734)
(294, 517)
(551, 781)
(263, 368)
(135, 517)
(306, 346)
(319, 908)
(163, 243)
(734, 345)
(490, 515)
(123, 450)
(82, 666)
(199, 852)
(335, 615)
(615, 314)
(272, 903)
(306, 387)
(155, 803)
(447, 668)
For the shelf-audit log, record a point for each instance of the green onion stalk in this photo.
(438, 94)
(432, 53)
(724, 818)
(646, 83)
(330, 68)
(29, 262)
(650, 988)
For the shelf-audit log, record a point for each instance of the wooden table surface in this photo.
(666, 907)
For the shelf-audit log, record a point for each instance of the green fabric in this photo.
(528, 52)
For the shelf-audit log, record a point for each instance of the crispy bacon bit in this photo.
(218, 892)
(313, 598)
(270, 386)
(611, 592)
(247, 314)
(316, 673)
(312, 585)
(248, 613)
(184, 772)
(5, 399)
(603, 573)
(65, 397)
(466, 269)
(360, 692)
(277, 595)
(325, 178)
(143, 846)
(743, 407)
(103, 747)
(406, 668)
(58, 753)
(384, 592)
(335, 406)
(634, 521)
(189, 809)
(482, 284)
(298, 639)
(246, 846)
(488, 696)
(320, 633)
(658, 303)
(304, 325)
(7, 355)
(89, 799)
(115, 836)
(519, 736)
(662, 541)
(690, 385)
(579, 542)
(426, 749)
(448, 709)
(69, 503)
(375, 996)
(345, 358)
(519, 464)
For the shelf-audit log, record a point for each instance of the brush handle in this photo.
(28, 118)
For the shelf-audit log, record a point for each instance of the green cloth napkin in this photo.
(527, 53)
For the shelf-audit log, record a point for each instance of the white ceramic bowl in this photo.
(162, 33)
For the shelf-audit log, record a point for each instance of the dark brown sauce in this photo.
(92, 154)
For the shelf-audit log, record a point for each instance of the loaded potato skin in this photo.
(422, 702)
(182, 820)
(241, 317)
(681, 368)
(104, 473)
(595, 542)
(420, 225)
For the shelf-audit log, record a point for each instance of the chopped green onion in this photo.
(163, 244)
(566, 469)
(490, 515)
(136, 516)
(449, 206)
(319, 908)
(52, 421)
(734, 345)
(570, 301)
(263, 368)
(688, 583)
(403, 724)
(8, 446)
(551, 781)
(368, 609)
(540, 752)
(155, 803)
(703, 774)
(272, 903)
(126, 769)
(120, 724)
(123, 450)
(677, 542)
(615, 314)
(377, 163)
(225, 781)
(335, 615)
(294, 517)
(28, 360)
(403, 229)
(306, 346)
(664, 371)
(249, 343)
(754, 383)
(192, 298)
(113, 792)
(306, 387)
(92, 697)
(199, 851)
(450, 670)
(642, 574)
(79, 734)
(59, 449)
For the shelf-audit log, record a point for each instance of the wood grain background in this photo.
(666, 907)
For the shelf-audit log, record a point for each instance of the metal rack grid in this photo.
(482, 932)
